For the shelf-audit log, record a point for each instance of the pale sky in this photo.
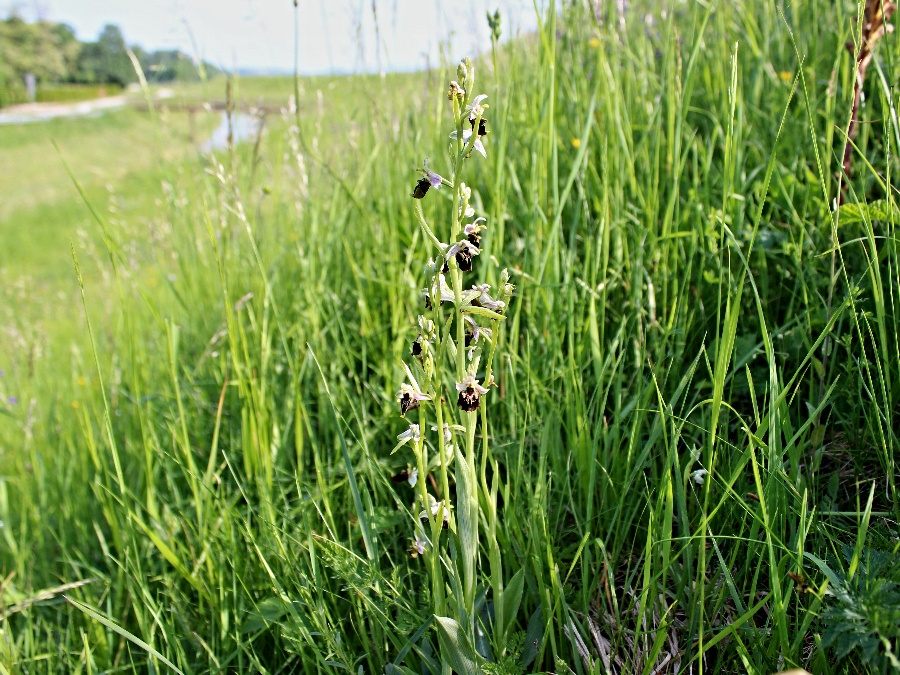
(335, 35)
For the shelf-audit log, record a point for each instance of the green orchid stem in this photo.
(442, 449)
(490, 501)
(437, 583)
(471, 566)
(494, 556)
(420, 216)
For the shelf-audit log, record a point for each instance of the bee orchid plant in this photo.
(449, 378)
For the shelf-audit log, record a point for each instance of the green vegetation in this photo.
(47, 51)
(693, 436)
(64, 93)
(52, 54)
(42, 215)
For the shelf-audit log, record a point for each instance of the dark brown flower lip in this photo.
(401, 477)
(407, 403)
(409, 398)
(464, 260)
(421, 188)
(464, 252)
(468, 399)
(482, 125)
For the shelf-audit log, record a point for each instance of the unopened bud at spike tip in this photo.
(462, 71)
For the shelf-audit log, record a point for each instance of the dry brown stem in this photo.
(875, 25)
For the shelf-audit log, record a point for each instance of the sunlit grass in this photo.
(695, 423)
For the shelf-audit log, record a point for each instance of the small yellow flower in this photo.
(594, 42)
(576, 143)
(785, 76)
(75, 405)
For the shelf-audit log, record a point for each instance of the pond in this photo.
(245, 126)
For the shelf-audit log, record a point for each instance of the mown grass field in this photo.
(687, 464)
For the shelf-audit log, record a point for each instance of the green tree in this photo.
(106, 60)
(43, 49)
(68, 46)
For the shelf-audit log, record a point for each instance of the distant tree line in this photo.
(51, 53)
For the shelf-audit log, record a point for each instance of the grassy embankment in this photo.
(120, 160)
(687, 300)
(60, 93)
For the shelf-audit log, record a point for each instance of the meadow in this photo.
(685, 460)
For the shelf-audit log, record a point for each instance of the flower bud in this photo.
(455, 91)
(462, 71)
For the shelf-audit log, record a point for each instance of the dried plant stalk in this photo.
(875, 25)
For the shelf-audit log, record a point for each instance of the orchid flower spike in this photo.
(435, 506)
(473, 231)
(485, 300)
(424, 339)
(456, 91)
(411, 434)
(439, 287)
(476, 108)
(476, 114)
(470, 392)
(448, 431)
(418, 547)
(465, 209)
(506, 288)
(409, 398)
(464, 252)
(445, 291)
(475, 332)
(429, 180)
(477, 145)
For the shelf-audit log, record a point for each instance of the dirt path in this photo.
(26, 113)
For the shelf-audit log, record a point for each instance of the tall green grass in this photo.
(213, 459)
